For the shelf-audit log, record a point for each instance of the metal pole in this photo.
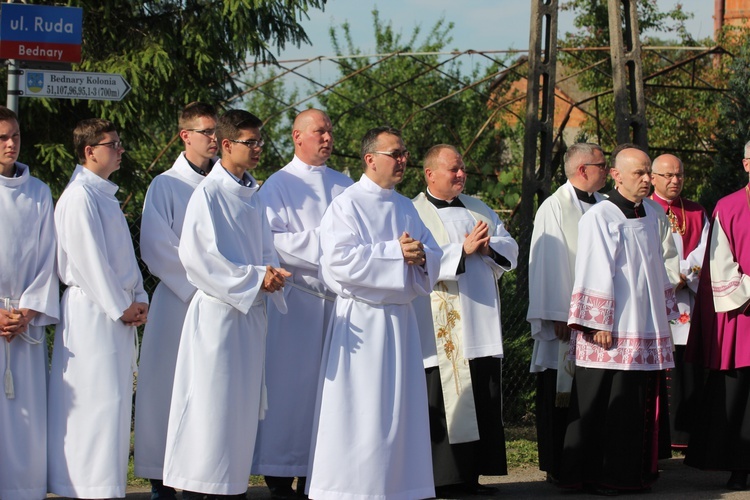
(538, 130)
(13, 91)
(627, 73)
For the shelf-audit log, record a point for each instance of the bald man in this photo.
(689, 226)
(621, 304)
(296, 198)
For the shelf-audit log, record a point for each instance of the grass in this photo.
(520, 447)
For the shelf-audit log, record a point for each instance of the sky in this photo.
(478, 24)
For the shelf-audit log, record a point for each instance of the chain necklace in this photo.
(674, 221)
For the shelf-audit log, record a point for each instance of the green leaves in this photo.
(172, 52)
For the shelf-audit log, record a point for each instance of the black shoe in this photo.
(451, 491)
(480, 489)
(192, 495)
(161, 492)
(737, 481)
(280, 487)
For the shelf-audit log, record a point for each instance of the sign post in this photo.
(73, 85)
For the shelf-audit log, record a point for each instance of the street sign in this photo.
(40, 32)
(73, 85)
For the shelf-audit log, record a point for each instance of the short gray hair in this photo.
(747, 150)
(579, 148)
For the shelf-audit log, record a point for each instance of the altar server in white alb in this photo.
(622, 301)
(161, 227)
(29, 300)
(372, 439)
(296, 198)
(554, 244)
(463, 350)
(227, 250)
(91, 380)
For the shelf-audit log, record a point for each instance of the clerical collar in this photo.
(668, 202)
(246, 180)
(454, 203)
(584, 196)
(199, 170)
(630, 209)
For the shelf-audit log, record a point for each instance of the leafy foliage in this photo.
(728, 175)
(424, 96)
(681, 102)
(171, 52)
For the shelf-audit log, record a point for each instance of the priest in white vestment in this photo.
(227, 251)
(161, 226)
(462, 347)
(621, 304)
(29, 300)
(296, 198)
(94, 357)
(554, 243)
(371, 439)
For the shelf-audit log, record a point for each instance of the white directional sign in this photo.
(73, 85)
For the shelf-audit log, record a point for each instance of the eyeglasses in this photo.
(114, 145)
(669, 177)
(396, 155)
(601, 166)
(250, 144)
(208, 132)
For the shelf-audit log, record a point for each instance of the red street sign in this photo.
(40, 51)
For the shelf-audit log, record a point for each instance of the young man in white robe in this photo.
(94, 357)
(296, 198)
(161, 226)
(227, 250)
(371, 438)
(29, 300)
(463, 347)
(554, 243)
(621, 304)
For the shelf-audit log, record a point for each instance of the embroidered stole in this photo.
(455, 375)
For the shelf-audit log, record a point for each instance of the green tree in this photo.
(172, 52)
(424, 96)
(727, 174)
(681, 102)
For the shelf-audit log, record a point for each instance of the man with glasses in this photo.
(719, 341)
(621, 304)
(462, 342)
(161, 226)
(91, 379)
(227, 251)
(296, 198)
(372, 439)
(689, 228)
(554, 244)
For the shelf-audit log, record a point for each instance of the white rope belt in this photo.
(9, 305)
(311, 292)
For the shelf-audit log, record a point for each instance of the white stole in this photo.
(455, 376)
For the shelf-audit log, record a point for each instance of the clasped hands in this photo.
(136, 314)
(412, 250)
(15, 322)
(274, 279)
(478, 240)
